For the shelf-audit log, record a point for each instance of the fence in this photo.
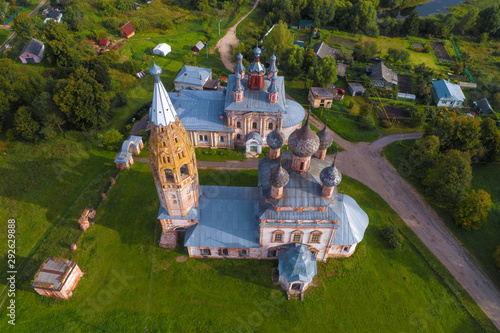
(13, 15)
(466, 71)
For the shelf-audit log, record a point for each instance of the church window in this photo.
(183, 155)
(315, 237)
(179, 155)
(201, 137)
(270, 126)
(221, 139)
(296, 237)
(273, 253)
(164, 143)
(164, 160)
(278, 236)
(238, 124)
(254, 125)
(205, 252)
(223, 252)
(168, 159)
(169, 175)
(184, 170)
(175, 139)
(205, 138)
(302, 164)
(244, 253)
(238, 136)
(346, 248)
(173, 196)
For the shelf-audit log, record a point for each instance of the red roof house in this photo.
(104, 42)
(198, 47)
(127, 30)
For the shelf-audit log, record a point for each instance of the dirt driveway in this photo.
(224, 44)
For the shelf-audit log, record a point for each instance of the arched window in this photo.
(270, 126)
(296, 237)
(175, 139)
(179, 155)
(278, 236)
(205, 137)
(238, 124)
(200, 137)
(254, 125)
(164, 160)
(302, 164)
(273, 253)
(315, 237)
(221, 139)
(238, 136)
(169, 175)
(184, 170)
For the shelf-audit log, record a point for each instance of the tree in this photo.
(472, 211)
(449, 180)
(411, 24)
(392, 237)
(60, 49)
(365, 110)
(490, 138)
(489, 20)
(310, 60)
(279, 41)
(293, 61)
(26, 127)
(74, 17)
(82, 99)
(323, 12)
(24, 26)
(325, 73)
(101, 71)
(111, 139)
(423, 155)
(397, 55)
(496, 257)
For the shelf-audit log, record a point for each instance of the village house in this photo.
(295, 202)
(253, 102)
(356, 89)
(127, 30)
(320, 97)
(447, 94)
(483, 107)
(192, 78)
(32, 52)
(52, 13)
(382, 76)
(306, 25)
(341, 68)
(57, 278)
(322, 50)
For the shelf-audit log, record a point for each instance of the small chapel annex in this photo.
(253, 105)
(296, 200)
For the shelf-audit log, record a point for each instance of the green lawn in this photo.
(219, 155)
(4, 34)
(130, 284)
(483, 242)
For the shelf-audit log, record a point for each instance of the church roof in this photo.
(162, 111)
(255, 100)
(227, 218)
(297, 263)
(200, 110)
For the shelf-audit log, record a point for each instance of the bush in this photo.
(392, 237)
(120, 99)
(496, 257)
(386, 124)
(111, 139)
(472, 211)
(111, 23)
(367, 122)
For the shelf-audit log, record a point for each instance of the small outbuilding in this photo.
(57, 277)
(198, 47)
(356, 89)
(253, 145)
(306, 24)
(192, 78)
(130, 147)
(104, 42)
(297, 268)
(483, 107)
(382, 76)
(127, 30)
(32, 52)
(162, 49)
(320, 97)
(341, 70)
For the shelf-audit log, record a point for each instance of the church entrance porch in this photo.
(253, 145)
(180, 234)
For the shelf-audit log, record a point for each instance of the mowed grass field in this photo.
(131, 285)
(483, 242)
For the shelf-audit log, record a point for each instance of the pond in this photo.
(427, 9)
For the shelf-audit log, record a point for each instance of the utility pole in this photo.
(206, 47)
(219, 26)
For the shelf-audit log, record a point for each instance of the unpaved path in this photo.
(224, 44)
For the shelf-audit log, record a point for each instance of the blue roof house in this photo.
(192, 78)
(447, 94)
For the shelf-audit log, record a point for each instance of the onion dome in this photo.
(278, 177)
(257, 51)
(239, 57)
(155, 69)
(325, 138)
(238, 85)
(239, 68)
(272, 66)
(275, 139)
(330, 176)
(273, 58)
(273, 87)
(303, 142)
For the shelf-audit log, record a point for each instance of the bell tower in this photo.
(172, 158)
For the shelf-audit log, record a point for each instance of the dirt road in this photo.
(224, 44)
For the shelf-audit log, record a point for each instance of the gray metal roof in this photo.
(253, 136)
(322, 50)
(353, 222)
(50, 273)
(297, 263)
(34, 46)
(484, 107)
(294, 114)
(200, 110)
(193, 75)
(448, 90)
(228, 218)
(193, 214)
(379, 71)
(255, 100)
(341, 69)
(321, 92)
(356, 87)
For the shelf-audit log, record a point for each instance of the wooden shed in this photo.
(57, 277)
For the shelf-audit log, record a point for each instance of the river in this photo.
(427, 9)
